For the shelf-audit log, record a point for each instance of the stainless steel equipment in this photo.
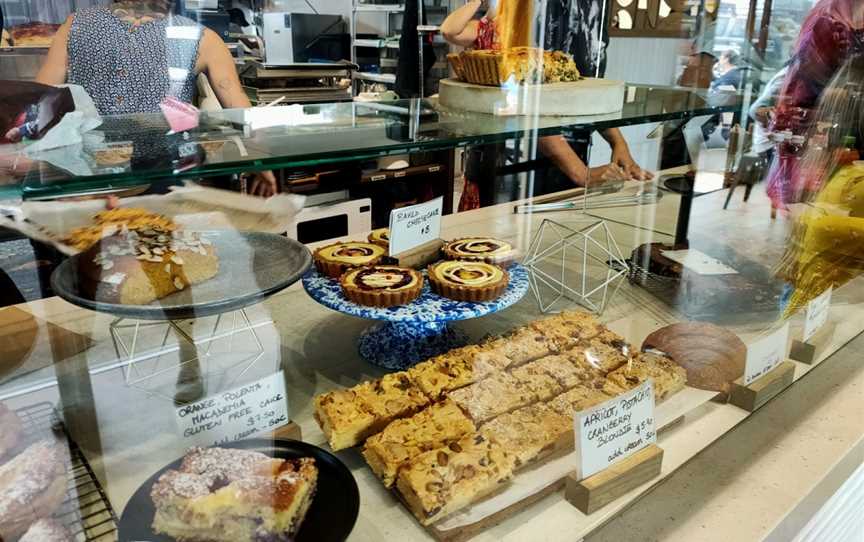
(294, 38)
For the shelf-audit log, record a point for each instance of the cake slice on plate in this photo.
(234, 496)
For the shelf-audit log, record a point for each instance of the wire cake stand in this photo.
(252, 267)
(417, 331)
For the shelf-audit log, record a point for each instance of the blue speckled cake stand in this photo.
(411, 333)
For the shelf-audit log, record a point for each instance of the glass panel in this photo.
(367, 270)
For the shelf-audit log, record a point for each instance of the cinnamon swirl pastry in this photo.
(382, 285)
(468, 281)
(333, 260)
(481, 249)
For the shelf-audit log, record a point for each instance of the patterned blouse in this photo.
(130, 69)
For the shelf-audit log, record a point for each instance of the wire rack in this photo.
(85, 511)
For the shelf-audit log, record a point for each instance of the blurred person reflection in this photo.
(826, 246)
(832, 33)
(131, 55)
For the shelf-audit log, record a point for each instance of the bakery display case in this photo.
(541, 368)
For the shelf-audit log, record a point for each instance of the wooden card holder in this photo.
(807, 351)
(597, 491)
(420, 256)
(763, 389)
(289, 431)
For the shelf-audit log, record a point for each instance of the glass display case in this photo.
(462, 317)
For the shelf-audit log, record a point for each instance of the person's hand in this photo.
(622, 158)
(264, 184)
(608, 173)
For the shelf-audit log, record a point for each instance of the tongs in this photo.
(594, 201)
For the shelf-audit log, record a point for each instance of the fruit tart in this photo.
(382, 285)
(334, 260)
(481, 249)
(468, 281)
(380, 237)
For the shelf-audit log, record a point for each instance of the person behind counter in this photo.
(131, 55)
(464, 29)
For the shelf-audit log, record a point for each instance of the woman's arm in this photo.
(460, 28)
(53, 70)
(216, 61)
(561, 154)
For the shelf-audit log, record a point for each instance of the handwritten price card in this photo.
(614, 430)
(235, 414)
(766, 354)
(817, 314)
(415, 225)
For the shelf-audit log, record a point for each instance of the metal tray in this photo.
(252, 267)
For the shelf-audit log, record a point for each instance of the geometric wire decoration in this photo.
(593, 244)
(139, 367)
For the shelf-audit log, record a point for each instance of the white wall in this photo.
(646, 61)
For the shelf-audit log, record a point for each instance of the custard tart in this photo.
(333, 260)
(380, 237)
(382, 285)
(482, 249)
(468, 281)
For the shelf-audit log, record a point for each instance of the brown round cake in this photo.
(382, 285)
(333, 260)
(712, 356)
(479, 249)
(468, 281)
(380, 237)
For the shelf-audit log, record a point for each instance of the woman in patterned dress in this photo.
(131, 55)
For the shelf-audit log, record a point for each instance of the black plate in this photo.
(330, 518)
(252, 267)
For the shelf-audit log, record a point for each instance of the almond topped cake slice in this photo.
(347, 417)
(668, 376)
(493, 396)
(456, 369)
(233, 495)
(529, 432)
(436, 426)
(436, 483)
(538, 380)
(569, 328)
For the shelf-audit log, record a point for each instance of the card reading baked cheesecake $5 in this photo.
(415, 225)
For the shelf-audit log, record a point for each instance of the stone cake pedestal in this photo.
(584, 97)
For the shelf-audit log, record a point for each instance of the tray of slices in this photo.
(257, 489)
(479, 431)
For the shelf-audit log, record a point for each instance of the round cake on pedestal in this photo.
(584, 97)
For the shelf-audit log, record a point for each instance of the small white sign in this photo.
(235, 414)
(766, 354)
(412, 226)
(614, 430)
(817, 314)
(699, 262)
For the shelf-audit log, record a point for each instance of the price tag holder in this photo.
(615, 448)
(416, 225)
(815, 318)
(765, 354)
(235, 414)
(766, 373)
(614, 430)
